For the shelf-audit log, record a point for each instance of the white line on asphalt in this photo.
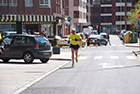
(113, 44)
(82, 57)
(120, 45)
(114, 57)
(130, 57)
(98, 57)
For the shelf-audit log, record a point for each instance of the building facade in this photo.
(58, 8)
(78, 12)
(111, 15)
(88, 7)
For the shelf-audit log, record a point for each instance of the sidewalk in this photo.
(22, 76)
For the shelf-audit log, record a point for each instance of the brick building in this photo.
(39, 9)
(110, 15)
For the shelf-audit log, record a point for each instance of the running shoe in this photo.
(72, 64)
(76, 60)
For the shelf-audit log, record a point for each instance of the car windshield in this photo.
(41, 40)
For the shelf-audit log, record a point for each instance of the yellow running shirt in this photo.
(73, 37)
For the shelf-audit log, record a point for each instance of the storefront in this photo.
(20, 20)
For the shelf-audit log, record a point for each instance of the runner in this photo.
(74, 45)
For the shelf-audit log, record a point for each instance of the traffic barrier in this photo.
(94, 41)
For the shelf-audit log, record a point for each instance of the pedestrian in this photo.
(43, 33)
(108, 38)
(74, 45)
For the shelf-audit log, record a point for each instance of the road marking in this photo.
(82, 57)
(107, 65)
(130, 57)
(98, 57)
(113, 44)
(120, 45)
(114, 57)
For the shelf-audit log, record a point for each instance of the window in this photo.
(102, 1)
(7, 40)
(96, 2)
(96, 19)
(128, 8)
(19, 40)
(108, 18)
(3, 2)
(120, 18)
(96, 10)
(76, 2)
(28, 3)
(102, 19)
(108, 9)
(12, 2)
(45, 3)
(76, 14)
(120, 9)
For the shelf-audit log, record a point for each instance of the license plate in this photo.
(46, 53)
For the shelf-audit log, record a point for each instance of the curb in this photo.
(19, 90)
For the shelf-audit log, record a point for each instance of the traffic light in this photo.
(69, 19)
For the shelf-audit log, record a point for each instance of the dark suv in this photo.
(27, 47)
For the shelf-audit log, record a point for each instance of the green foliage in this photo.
(133, 17)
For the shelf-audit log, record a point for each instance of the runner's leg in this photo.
(72, 54)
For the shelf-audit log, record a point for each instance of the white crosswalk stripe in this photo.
(98, 57)
(115, 57)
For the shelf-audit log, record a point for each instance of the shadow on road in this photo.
(20, 63)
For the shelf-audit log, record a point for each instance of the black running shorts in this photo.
(75, 47)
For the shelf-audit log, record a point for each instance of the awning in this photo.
(27, 19)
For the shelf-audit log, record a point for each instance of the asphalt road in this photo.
(101, 70)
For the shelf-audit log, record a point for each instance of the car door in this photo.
(7, 44)
(17, 46)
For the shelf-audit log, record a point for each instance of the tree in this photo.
(133, 17)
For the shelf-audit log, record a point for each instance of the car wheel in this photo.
(28, 57)
(5, 60)
(44, 60)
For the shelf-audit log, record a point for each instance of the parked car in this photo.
(121, 34)
(7, 33)
(100, 40)
(27, 47)
(63, 41)
(94, 32)
(51, 39)
(104, 35)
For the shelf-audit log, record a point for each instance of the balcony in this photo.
(120, 22)
(106, 5)
(128, 13)
(106, 23)
(129, 4)
(119, 4)
(120, 13)
(129, 23)
(106, 14)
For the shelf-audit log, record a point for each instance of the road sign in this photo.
(138, 14)
(139, 23)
